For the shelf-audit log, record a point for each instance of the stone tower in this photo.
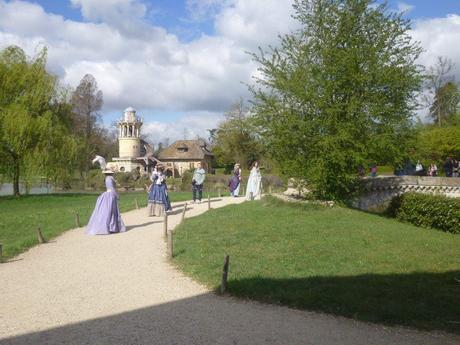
(129, 132)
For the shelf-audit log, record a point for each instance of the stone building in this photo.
(134, 153)
(183, 155)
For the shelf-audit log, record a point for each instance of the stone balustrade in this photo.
(380, 190)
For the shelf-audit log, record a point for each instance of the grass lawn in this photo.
(54, 214)
(338, 261)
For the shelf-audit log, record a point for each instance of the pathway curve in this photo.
(120, 290)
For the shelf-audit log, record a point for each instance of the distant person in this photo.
(254, 188)
(235, 181)
(197, 182)
(158, 199)
(455, 168)
(433, 170)
(419, 170)
(448, 167)
(373, 170)
(106, 217)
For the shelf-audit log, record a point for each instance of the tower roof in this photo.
(130, 109)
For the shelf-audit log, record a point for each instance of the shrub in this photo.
(426, 210)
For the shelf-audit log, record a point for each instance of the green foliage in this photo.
(338, 93)
(34, 138)
(430, 211)
(234, 140)
(435, 144)
(333, 260)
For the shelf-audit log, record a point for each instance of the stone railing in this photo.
(380, 190)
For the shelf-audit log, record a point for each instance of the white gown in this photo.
(254, 184)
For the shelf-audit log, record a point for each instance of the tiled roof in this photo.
(186, 149)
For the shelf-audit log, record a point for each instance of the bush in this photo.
(426, 210)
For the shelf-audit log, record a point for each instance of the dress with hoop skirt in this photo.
(106, 217)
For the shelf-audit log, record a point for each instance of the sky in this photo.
(181, 63)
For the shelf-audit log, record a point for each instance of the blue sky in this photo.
(182, 64)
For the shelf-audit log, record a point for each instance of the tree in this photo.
(87, 101)
(337, 93)
(235, 139)
(34, 136)
(435, 144)
(440, 86)
(445, 104)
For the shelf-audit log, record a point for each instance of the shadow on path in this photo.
(209, 319)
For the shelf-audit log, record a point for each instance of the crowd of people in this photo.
(106, 216)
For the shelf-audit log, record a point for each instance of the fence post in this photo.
(41, 239)
(135, 203)
(209, 202)
(170, 244)
(270, 189)
(223, 285)
(1, 251)
(183, 212)
(218, 193)
(165, 224)
(77, 220)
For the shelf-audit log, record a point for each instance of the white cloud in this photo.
(403, 7)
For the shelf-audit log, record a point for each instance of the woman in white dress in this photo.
(254, 188)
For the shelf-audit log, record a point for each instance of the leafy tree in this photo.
(435, 144)
(34, 136)
(337, 93)
(87, 101)
(445, 104)
(234, 139)
(441, 89)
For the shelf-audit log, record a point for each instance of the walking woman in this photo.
(254, 188)
(235, 181)
(158, 193)
(106, 217)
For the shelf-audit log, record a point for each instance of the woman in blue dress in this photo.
(106, 217)
(158, 193)
(235, 181)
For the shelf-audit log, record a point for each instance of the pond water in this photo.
(7, 189)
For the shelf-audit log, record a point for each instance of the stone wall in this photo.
(379, 191)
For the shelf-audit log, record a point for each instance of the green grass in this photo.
(54, 214)
(338, 261)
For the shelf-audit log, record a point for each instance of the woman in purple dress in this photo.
(106, 217)
(235, 181)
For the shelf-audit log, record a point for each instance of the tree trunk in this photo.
(16, 179)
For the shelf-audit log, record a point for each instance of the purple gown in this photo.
(106, 218)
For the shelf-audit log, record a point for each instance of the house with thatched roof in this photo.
(183, 155)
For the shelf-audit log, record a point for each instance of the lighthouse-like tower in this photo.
(129, 143)
(129, 134)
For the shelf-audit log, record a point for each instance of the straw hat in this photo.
(107, 171)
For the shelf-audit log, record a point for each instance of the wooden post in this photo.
(135, 202)
(41, 239)
(170, 244)
(223, 285)
(209, 202)
(165, 224)
(244, 192)
(270, 189)
(183, 212)
(218, 193)
(1, 251)
(77, 220)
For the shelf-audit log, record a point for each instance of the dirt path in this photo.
(120, 290)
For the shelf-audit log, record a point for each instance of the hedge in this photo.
(426, 210)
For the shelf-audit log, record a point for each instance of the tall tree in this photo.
(337, 93)
(445, 104)
(235, 138)
(441, 89)
(87, 101)
(34, 136)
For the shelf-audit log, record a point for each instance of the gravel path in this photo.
(120, 290)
